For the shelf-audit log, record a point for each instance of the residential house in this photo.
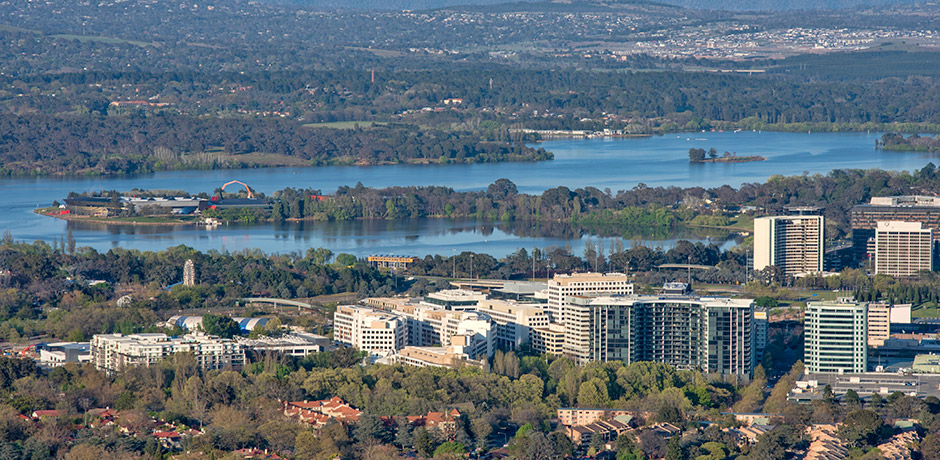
(446, 422)
(168, 439)
(824, 444)
(608, 430)
(318, 413)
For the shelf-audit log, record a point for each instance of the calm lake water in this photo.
(616, 164)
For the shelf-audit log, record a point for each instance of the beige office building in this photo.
(793, 243)
(902, 249)
(514, 321)
(879, 324)
(549, 339)
(562, 287)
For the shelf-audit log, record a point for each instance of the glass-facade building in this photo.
(836, 337)
(711, 334)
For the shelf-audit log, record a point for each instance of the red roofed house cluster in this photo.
(320, 412)
(444, 421)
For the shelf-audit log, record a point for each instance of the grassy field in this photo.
(927, 310)
(346, 124)
(9, 28)
(88, 38)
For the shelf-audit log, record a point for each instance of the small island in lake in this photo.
(912, 143)
(711, 156)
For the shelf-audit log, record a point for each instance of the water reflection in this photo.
(365, 237)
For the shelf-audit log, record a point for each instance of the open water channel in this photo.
(616, 164)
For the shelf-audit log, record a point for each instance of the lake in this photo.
(611, 163)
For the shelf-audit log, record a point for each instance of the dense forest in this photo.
(183, 120)
(915, 143)
(129, 145)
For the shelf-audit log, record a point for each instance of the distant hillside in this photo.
(773, 5)
(390, 5)
(733, 5)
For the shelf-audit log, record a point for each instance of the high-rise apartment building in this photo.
(836, 337)
(902, 249)
(368, 329)
(562, 287)
(793, 243)
(761, 325)
(686, 331)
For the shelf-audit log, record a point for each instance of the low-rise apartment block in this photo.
(608, 430)
(114, 352)
(585, 415)
(452, 357)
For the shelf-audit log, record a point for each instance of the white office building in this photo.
(368, 329)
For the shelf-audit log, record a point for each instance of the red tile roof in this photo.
(320, 412)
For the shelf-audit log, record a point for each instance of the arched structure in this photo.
(250, 195)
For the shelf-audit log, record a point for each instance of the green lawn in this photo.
(88, 38)
(927, 310)
(346, 124)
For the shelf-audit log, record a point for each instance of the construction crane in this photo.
(250, 195)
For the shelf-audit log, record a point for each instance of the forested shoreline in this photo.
(42, 145)
(642, 210)
(912, 143)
